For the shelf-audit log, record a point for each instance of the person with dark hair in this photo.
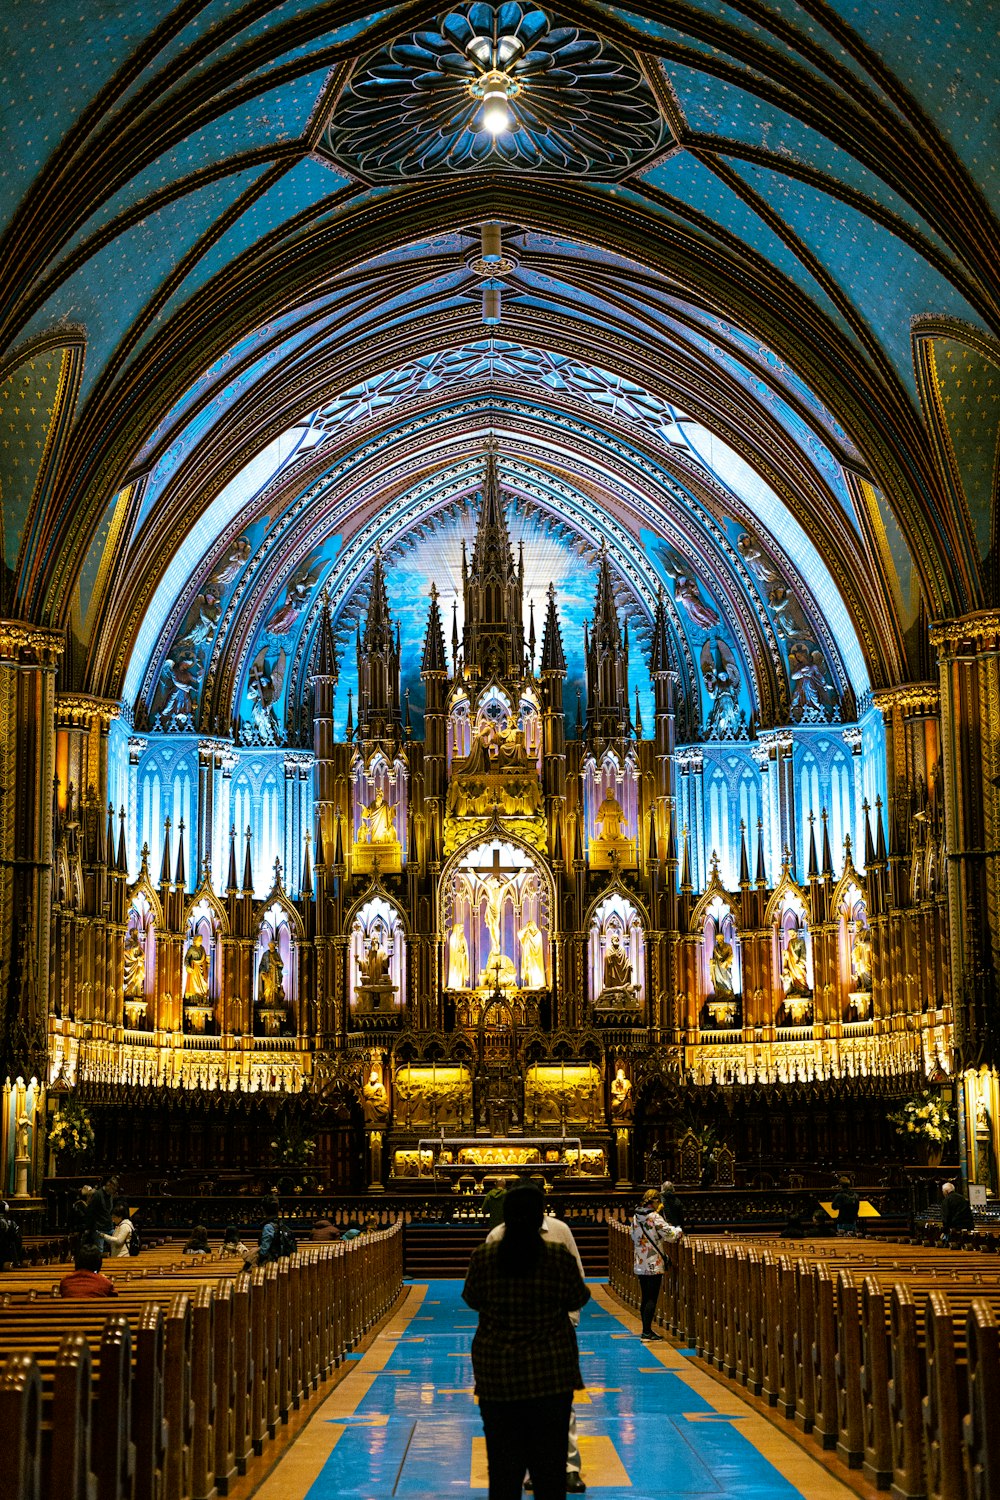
(848, 1205)
(493, 1202)
(85, 1280)
(275, 1238)
(524, 1354)
(232, 1243)
(116, 1244)
(99, 1222)
(198, 1243)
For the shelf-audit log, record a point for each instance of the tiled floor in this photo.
(404, 1421)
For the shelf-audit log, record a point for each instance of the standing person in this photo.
(493, 1202)
(76, 1220)
(956, 1212)
(524, 1354)
(557, 1232)
(670, 1205)
(116, 1244)
(650, 1233)
(99, 1222)
(847, 1204)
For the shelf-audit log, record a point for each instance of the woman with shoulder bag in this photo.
(650, 1233)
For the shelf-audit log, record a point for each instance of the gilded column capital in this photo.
(20, 640)
(979, 630)
(911, 697)
(82, 710)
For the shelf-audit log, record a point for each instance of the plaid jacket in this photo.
(525, 1345)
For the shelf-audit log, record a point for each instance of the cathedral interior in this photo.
(499, 604)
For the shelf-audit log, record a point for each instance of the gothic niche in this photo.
(273, 972)
(856, 954)
(139, 963)
(200, 969)
(495, 914)
(611, 804)
(379, 815)
(617, 955)
(720, 966)
(794, 963)
(377, 958)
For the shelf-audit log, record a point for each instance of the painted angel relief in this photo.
(813, 697)
(175, 701)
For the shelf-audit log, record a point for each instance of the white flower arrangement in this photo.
(928, 1116)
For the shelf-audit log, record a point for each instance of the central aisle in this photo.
(404, 1422)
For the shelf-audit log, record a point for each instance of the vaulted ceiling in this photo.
(748, 341)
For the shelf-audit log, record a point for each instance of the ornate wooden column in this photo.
(969, 660)
(28, 659)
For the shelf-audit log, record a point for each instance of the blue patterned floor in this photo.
(645, 1433)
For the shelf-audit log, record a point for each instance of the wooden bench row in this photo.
(167, 1391)
(891, 1359)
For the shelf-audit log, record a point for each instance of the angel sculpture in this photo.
(264, 687)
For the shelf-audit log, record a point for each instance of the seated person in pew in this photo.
(118, 1243)
(11, 1245)
(956, 1212)
(232, 1244)
(86, 1279)
(198, 1243)
(809, 1222)
(323, 1232)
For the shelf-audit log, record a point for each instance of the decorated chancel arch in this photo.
(568, 609)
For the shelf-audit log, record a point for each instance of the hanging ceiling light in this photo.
(496, 88)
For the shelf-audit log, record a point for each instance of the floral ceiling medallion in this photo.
(577, 104)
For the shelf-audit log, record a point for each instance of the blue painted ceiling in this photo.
(723, 227)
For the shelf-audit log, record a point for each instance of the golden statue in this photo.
(720, 966)
(375, 1102)
(196, 966)
(378, 821)
(532, 957)
(271, 978)
(458, 959)
(621, 1094)
(794, 969)
(861, 958)
(134, 973)
(617, 964)
(494, 911)
(611, 815)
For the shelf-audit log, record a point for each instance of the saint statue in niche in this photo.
(134, 972)
(374, 967)
(720, 966)
(458, 959)
(271, 978)
(375, 1103)
(617, 964)
(861, 959)
(196, 966)
(532, 957)
(610, 815)
(621, 1094)
(378, 821)
(794, 971)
